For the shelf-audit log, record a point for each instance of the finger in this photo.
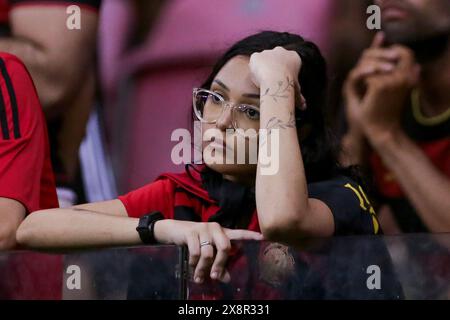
(236, 234)
(223, 247)
(254, 81)
(407, 59)
(407, 67)
(303, 105)
(388, 54)
(369, 68)
(378, 40)
(226, 277)
(354, 85)
(252, 63)
(374, 66)
(193, 244)
(205, 261)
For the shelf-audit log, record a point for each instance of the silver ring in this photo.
(205, 243)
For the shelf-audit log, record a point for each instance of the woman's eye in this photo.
(216, 98)
(252, 113)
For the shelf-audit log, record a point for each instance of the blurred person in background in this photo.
(347, 40)
(26, 175)
(62, 64)
(398, 113)
(26, 182)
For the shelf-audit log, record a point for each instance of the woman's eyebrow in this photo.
(246, 95)
(220, 83)
(251, 95)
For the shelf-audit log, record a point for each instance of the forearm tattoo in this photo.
(276, 123)
(282, 92)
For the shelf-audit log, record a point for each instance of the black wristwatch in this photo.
(146, 226)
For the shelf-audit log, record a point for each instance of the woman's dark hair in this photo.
(319, 148)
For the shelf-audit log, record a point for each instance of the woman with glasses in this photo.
(266, 93)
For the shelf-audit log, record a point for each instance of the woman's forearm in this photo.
(76, 228)
(281, 194)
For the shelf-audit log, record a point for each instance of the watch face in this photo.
(147, 220)
(143, 223)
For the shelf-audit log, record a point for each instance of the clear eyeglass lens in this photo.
(209, 106)
(246, 117)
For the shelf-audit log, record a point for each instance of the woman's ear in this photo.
(303, 105)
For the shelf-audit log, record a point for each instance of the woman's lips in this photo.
(219, 144)
(393, 13)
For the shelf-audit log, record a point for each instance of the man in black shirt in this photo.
(398, 111)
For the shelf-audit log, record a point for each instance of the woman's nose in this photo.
(225, 120)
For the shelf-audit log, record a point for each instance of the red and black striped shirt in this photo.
(26, 173)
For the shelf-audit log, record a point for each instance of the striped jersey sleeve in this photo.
(25, 171)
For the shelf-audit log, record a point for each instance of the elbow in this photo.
(7, 237)
(52, 97)
(22, 236)
(58, 93)
(278, 229)
(26, 233)
(271, 233)
(282, 221)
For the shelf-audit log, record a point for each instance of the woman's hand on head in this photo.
(277, 65)
(274, 65)
(208, 243)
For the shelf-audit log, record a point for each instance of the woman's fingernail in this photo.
(214, 275)
(199, 279)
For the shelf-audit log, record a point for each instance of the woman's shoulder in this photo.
(338, 181)
(349, 203)
(163, 194)
(189, 181)
(343, 189)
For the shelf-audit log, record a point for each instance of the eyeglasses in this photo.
(209, 107)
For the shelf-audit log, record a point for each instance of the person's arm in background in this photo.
(56, 57)
(426, 187)
(355, 148)
(285, 212)
(389, 75)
